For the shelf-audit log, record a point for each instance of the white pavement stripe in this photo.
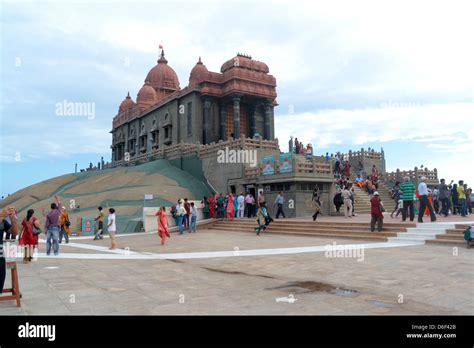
(227, 253)
(94, 247)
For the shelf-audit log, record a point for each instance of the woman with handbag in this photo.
(29, 235)
(376, 211)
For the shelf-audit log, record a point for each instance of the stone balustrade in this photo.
(414, 175)
(186, 149)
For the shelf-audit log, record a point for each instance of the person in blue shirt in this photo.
(279, 202)
(192, 224)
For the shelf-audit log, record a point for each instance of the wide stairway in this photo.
(452, 236)
(349, 230)
(423, 232)
(362, 200)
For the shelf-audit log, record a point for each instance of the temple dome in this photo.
(198, 73)
(126, 104)
(162, 76)
(146, 96)
(245, 62)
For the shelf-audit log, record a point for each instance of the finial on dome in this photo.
(162, 57)
(128, 94)
(199, 61)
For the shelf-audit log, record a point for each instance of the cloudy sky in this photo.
(350, 74)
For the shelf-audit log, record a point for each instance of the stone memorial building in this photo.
(236, 102)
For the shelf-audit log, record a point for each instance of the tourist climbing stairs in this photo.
(362, 200)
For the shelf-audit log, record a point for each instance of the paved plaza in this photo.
(237, 273)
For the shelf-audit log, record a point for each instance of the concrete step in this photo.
(448, 242)
(364, 236)
(290, 222)
(450, 236)
(462, 226)
(309, 231)
(315, 227)
(411, 235)
(425, 231)
(455, 232)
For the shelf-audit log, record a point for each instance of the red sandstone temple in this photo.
(214, 106)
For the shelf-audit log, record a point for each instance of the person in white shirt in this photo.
(192, 224)
(112, 228)
(346, 196)
(240, 206)
(424, 201)
(180, 212)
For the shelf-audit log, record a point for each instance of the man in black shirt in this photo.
(8, 224)
(444, 197)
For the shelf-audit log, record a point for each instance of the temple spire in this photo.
(162, 56)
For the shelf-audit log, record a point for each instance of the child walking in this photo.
(263, 220)
(399, 209)
(112, 228)
(162, 220)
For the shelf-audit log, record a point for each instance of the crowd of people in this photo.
(233, 206)
(218, 206)
(297, 147)
(443, 199)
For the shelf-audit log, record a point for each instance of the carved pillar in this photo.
(223, 122)
(252, 120)
(206, 115)
(126, 131)
(236, 100)
(272, 124)
(267, 106)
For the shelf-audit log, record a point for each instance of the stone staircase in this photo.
(423, 232)
(454, 235)
(362, 200)
(348, 230)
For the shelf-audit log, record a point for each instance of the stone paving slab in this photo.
(430, 278)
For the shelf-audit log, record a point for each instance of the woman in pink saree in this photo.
(230, 207)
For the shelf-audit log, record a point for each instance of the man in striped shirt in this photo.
(407, 190)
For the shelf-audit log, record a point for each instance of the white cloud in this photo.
(447, 128)
(359, 126)
(413, 59)
(60, 143)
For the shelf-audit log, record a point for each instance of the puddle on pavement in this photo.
(175, 261)
(236, 272)
(383, 304)
(312, 286)
(345, 292)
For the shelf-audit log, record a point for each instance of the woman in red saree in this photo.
(347, 170)
(230, 207)
(212, 206)
(162, 221)
(27, 239)
(430, 199)
(375, 173)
